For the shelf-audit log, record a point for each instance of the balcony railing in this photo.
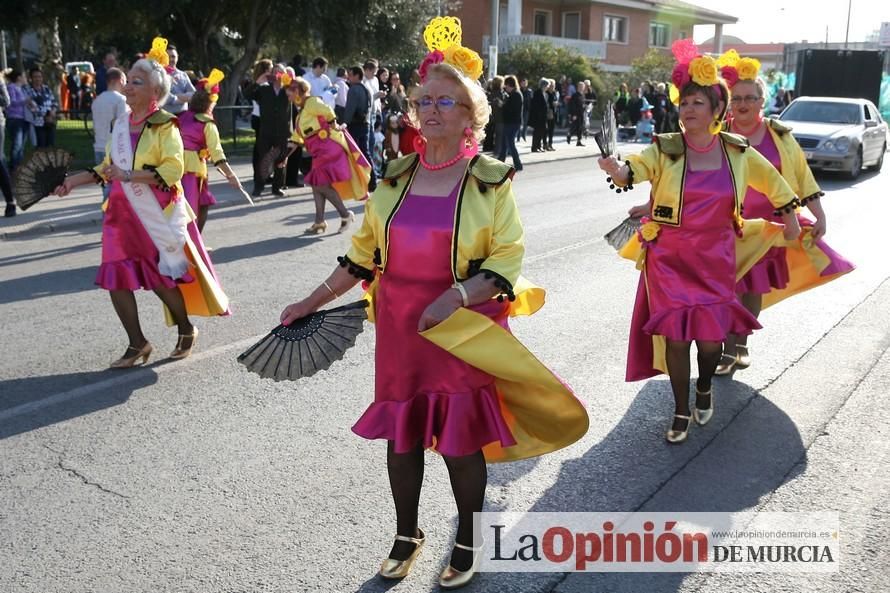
(591, 49)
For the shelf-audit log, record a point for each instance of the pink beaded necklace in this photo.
(696, 148)
(747, 133)
(443, 165)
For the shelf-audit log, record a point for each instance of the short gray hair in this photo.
(157, 76)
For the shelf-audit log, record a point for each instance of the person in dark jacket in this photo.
(537, 115)
(526, 106)
(552, 113)
(576, 115)
(634, 106)
(512, 116)
(357, 116)
(660, 107)
(275, 126)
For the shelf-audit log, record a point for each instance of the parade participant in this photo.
(802, 264)
(200, 138)
(440, 239)
(339, 169)
(688, 256)
(148, 239)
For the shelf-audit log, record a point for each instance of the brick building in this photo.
(615, 32)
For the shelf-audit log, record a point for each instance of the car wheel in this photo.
(856, 167)
(877, 166)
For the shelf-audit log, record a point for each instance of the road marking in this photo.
(125, 377)
(572, 247)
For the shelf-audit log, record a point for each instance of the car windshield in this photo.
(822, 112)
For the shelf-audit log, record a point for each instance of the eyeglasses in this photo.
(746, 99)
(442, 103)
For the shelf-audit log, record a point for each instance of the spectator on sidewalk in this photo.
(5, 183)
(319, 84)
(181, 88)
(576, 115)
(660, 107)
(43, 109)
(109, 61)
(342, 90)
(552, 110)
(537, 115)
(359, 115)
(526, 107)
(107, 107)
(16, 121)
(512, 116)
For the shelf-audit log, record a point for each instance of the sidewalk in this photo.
(82, 208)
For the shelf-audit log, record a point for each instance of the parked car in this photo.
(838, 134)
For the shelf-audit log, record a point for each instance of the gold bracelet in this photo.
(328, 286)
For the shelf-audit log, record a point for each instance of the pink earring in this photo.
(471, 147)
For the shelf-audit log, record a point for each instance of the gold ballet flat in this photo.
(678, 436)
(703, 415)
(399, 569)
(126, 362)
(452, 578)
(181, 352)
(317, 228)
(742, 357)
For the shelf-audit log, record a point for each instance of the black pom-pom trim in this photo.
(355, 269)
(393, 182)
(787, 208)
(97, 177)
(812, 197)
(162, 185)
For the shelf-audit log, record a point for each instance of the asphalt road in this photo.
(196, 476)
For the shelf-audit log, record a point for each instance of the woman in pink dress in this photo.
(785, 270)
(441, 237)
(200, 138)
(688, 261)
(148, 239)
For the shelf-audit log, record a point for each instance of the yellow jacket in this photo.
(159, 149)
(195, 161)
(487, 238)
(664, 164)
(793, 161)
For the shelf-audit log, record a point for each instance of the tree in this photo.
(655, 66)
(542, 59)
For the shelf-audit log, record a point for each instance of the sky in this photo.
(786, 21)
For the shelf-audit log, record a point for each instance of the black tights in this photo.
(469, 476)
(678, 364)
(322, 193)
(124, 302)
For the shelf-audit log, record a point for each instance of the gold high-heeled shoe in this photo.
(317, 228)
(180, 352)
(727, 365)
(345, 222)
(452, 578)
(742, 357)
(126, 362)
(678, 436)
(399, 569)
(703, 415)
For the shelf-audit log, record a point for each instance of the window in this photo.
(867, 112)
(659, 35)
(683, 34)
(615, 29)
(571, 25)
(542, 22)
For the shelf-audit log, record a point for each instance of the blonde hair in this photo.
(477, 99)
(302, 85)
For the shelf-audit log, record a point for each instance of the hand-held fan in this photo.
(43, 172)
(607, 137)
(307, 345)
(621, 234)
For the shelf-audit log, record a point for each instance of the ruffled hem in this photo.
(327, 175)
(205, 198)
(454, 424)
(133, 274)
(770, 273)
(711, 322)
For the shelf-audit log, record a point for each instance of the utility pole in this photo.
(3, 64)
(847, 36)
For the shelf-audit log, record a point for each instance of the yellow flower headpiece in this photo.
(443, 38)
(211, 83)
(748, 68)
(286, 79)
(158, 51)
(734, 68)
(703, 71)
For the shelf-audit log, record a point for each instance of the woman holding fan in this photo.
(688, 257)
(801, 264)
(149, 241)
(441, 238)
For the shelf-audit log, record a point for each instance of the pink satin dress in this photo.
(423, 395)
(772, 272)
(687, 289)
(129, 257)
(196, 189)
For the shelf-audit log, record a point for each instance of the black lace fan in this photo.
(621, 234)
(43, 172)
(307, 345)
(607, 137)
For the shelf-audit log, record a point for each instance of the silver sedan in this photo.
(838, 134)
